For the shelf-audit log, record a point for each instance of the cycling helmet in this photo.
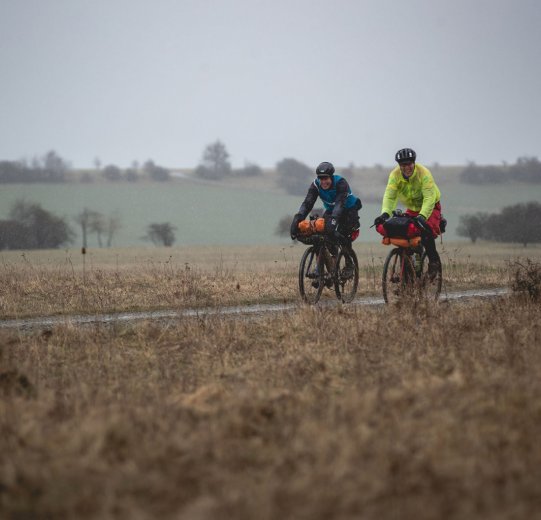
(405, 155)
(325, 169)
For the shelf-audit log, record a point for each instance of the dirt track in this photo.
(42, 322)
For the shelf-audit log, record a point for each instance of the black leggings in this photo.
(429, 243)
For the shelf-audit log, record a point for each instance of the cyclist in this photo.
(341, 206)
(413, 184)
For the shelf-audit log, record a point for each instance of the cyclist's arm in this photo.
(342, 192)
(429, 196)
(390, 197)
(309, 201)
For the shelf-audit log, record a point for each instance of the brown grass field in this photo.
(56, 282)
(419, 411)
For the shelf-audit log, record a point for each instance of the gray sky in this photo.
(338, 80)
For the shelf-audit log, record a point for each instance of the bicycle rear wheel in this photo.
(346, 275)
(398, 280)
(430, 283)
(311, 275)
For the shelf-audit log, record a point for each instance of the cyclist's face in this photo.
(407, 169)
(325, 182)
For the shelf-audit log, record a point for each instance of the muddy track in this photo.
(44, 322)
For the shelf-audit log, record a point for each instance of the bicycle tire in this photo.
(341, 278)
(310, 259)
(398, 276)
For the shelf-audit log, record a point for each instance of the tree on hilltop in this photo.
(215, 164)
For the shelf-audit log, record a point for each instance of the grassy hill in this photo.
(241, 210)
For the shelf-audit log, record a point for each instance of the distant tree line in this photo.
(49, 168)
(29, 226)
(526, 169)
(52, 168)
(149, 170)
(520, 223)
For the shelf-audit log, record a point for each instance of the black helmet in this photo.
(405, 155)
(325, 169)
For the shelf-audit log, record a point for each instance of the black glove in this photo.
(421, 222)
(330, 225)
(294, 230)
(381, 219)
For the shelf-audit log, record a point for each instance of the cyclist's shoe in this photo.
(433, 270)
(328, 282)
(314, 273)
(347, 271)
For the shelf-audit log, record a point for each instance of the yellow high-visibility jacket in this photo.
(418, 193)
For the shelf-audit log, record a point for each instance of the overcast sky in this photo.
(337, 80)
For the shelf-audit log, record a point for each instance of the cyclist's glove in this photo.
(294, 231)
(381, 219)
(330, 225)
(421, 222)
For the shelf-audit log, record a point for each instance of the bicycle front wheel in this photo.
(346, 275)
(311, 275)
(398, 278)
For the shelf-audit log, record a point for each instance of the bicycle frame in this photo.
(319, 268)
(412, 278)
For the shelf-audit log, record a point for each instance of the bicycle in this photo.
(405, 272)
(320, 269)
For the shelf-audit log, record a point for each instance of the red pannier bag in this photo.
(398, 227)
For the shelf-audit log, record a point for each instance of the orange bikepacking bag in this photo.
(309, 227)
(401, 242)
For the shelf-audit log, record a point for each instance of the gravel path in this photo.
(44, 322)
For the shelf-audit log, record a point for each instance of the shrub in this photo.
(32, 227)
(527, 279)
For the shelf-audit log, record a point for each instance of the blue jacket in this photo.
(337, 198)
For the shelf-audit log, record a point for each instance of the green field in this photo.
(238, 212)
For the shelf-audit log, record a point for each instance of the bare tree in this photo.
(98, 225)
(89, 222)
(113, 225)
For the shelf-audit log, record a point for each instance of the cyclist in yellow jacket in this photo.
(412, 184)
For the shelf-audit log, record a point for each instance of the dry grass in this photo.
(56, 282)
(427, 412)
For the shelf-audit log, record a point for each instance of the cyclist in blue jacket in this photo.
(341, 206)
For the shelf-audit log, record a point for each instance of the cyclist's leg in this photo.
(348, 223)
(429, 242)
(428, 236)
